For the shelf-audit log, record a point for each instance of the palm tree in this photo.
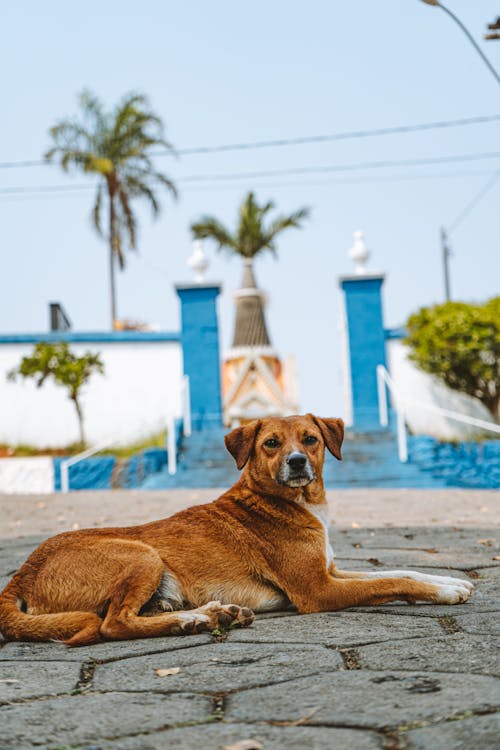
(252, 237)
(116, 147)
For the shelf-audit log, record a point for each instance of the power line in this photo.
(350, 134)
(45, 189)
(280, 142)
(39, 191)
(276, 172)
(338, 181)
(473, 203)
(341, 167)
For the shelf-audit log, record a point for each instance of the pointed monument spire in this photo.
(250, 327)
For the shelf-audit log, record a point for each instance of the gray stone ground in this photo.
(390, 677)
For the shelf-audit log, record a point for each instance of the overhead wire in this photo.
(295, 141)
(228, 176)
(492, 181)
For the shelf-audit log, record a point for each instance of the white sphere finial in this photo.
(198, 262)
(359, 252)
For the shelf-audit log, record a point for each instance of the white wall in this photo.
(140, 388)
(415, 385)
(27, 475)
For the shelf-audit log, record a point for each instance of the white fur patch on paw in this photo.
(452, 593)
(195, 617)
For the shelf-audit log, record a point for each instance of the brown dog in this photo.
(262, 546)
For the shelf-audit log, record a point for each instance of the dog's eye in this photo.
(310, 440)
(271, 443)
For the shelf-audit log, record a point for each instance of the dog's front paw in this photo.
(456, 591)
(227, 615)
(449, 581)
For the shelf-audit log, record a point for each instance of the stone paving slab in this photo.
(482, 623)
(341, 629)
(68, 720)
(220, 667)
(455, 652)
(393, 677)
(21, 680)
(481, 732)
(101, 652)
(215, 737)
(372, 699)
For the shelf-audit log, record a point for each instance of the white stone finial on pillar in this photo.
(359, 253)
(198, 262)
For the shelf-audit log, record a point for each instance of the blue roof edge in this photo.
(97, 337)
(395, 333)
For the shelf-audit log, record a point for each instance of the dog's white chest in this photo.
(320, 512)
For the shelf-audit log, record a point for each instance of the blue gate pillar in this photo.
(200, 350)
(365, 338)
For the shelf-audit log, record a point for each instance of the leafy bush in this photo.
(460, 344)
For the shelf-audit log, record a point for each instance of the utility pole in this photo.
(446, 252)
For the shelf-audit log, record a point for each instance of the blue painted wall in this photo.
(363, 304)
(200, 349)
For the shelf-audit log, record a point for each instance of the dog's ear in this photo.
(333, 434)
(240, 442)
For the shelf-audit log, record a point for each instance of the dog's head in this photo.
(289, 451)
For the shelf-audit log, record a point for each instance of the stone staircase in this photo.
(370, 460)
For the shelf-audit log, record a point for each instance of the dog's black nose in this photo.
(296, 460)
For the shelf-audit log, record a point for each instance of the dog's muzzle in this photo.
(296, 470)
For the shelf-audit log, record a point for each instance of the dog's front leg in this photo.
(323, 592)
(413, 575)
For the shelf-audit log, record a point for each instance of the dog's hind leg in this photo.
(136, 587)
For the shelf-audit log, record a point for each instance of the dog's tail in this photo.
(74, 628)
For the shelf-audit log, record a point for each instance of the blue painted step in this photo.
(203, 461)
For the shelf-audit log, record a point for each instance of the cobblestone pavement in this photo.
(390, 677)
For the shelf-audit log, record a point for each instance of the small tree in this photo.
(460, 344)
(56, 361)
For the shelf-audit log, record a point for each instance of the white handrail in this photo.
(67, 462)
(186, 406)
(171, 450)
(171, 446)
(384, 379)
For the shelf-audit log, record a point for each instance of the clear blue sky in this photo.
(226, 72)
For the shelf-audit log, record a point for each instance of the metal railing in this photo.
(171, 439)
(385, 382)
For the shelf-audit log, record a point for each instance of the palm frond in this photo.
(166, 182)
(294, 221)
(115, 236)
(210, 227)
(127, 217)
(252, 236)
(96, 211)
(137, 187)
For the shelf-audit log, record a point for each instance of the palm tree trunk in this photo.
(112, 264)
